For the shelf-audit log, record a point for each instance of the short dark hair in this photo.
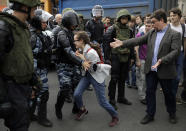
(148, 15)
(139, 17)
(108, 17)
(160, 14)
(176, 11)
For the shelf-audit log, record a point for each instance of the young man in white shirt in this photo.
(175, 16)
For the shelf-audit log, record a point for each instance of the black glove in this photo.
(35, 81)
(95, 67)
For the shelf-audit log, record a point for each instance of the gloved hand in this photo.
(35, 81)
(95, 67)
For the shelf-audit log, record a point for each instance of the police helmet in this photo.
(70, 19)
(97, 11)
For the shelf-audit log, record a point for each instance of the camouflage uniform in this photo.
(119, 57)
(68, 76)
(41, 47)
(68, 64)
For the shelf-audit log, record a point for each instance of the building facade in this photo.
(182, 6)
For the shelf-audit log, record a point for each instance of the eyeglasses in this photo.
(76, 40)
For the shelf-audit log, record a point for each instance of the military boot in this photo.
(121, 94)
(42, 115)
(59, 104)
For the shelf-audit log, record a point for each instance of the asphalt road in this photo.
(98, 119)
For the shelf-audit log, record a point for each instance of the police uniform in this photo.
(41, 47)
(68, 65)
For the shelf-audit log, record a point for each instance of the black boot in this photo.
(42, 110)
(42, 115)
(59, 104)
(32, 106)
(121, 93)
(124, 101)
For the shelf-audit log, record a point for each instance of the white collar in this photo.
(87, 46)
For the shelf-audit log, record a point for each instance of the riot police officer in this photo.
(42, 50)
(95, 26)
(68, 64)
(16, 60)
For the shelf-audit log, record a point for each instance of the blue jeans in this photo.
(100, 93)
(179, 69)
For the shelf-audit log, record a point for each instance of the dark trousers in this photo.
(167, 86)
(18, 95)
(184, 73)
(119, 72)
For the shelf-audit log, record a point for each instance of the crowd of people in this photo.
(135, 52)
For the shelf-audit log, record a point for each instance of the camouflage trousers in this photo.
(42, 73)
(68, 76)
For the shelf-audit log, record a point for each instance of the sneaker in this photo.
(114, 121)
(81, 114)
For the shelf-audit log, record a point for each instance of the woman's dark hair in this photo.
(176, 11)
(82, 35)
(160, 14)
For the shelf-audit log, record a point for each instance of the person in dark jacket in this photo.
(68, 64)
(163, 48)
(120, 58)
(95, 26)
(17, 68)
(41, 48)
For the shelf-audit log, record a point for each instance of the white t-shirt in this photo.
(142, 29)
(179, 29)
